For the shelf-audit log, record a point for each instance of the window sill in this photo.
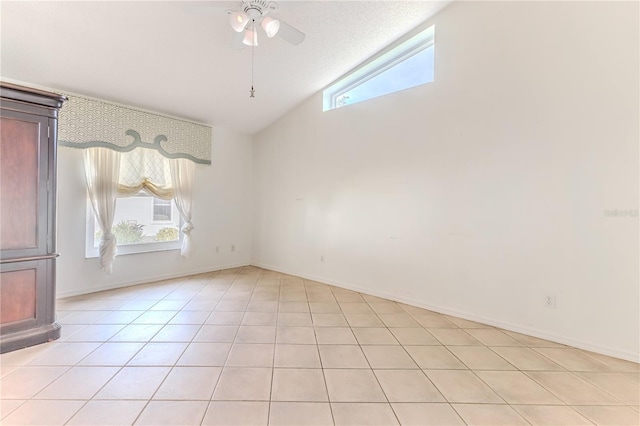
(128, 249)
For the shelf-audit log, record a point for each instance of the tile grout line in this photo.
(324, 377)
(165, 377)
(273, 359)
(86, 304)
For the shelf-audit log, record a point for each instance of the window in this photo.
(142, 223)
(406, 63)
(161, 210)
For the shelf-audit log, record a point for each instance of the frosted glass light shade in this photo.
(270, 26)
(238, 21)
(250, 37)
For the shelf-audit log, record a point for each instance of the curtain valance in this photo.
(86, 122)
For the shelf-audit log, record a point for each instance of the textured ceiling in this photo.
(154, 55)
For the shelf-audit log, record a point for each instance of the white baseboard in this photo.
(589, 346)
(146, 280)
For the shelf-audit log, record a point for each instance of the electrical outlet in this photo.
(217, 249)
(550, 300)
(233, 248)
(321, 258)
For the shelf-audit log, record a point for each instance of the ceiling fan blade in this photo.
(290, 34)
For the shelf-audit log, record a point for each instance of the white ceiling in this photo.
(154, 55)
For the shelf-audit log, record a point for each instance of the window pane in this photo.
(411, 72)
(143, 219)
(407, 63)
(161, 210)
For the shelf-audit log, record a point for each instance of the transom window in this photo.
(406, 63)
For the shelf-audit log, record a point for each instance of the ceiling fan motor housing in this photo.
(256, 9)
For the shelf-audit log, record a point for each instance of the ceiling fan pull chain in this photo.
(252, 92)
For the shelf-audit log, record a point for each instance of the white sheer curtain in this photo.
(102, 169)
(182, 176)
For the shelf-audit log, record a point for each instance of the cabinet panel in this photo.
(19, 151)
(23, 286)
(28, 308)
(18, 296)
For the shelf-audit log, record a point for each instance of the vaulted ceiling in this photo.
(156, 56)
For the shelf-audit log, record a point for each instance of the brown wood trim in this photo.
(31, 95)
(30, 258)
(25, 338)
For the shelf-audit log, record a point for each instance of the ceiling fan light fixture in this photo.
(250, 37)
(270, 26)
(238, 21)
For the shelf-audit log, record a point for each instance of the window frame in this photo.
(406, 47)
(93, 252)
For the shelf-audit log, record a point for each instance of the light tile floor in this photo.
(250, 346)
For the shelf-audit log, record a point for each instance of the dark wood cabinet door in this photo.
(18, 296)
(20, 284)
(26, 313)
(24, 177)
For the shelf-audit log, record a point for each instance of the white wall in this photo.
(484, 191)
(221, 216)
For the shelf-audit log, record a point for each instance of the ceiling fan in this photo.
(249, 17)
(254, 14)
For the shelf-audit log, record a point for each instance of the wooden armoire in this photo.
(28, 130)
